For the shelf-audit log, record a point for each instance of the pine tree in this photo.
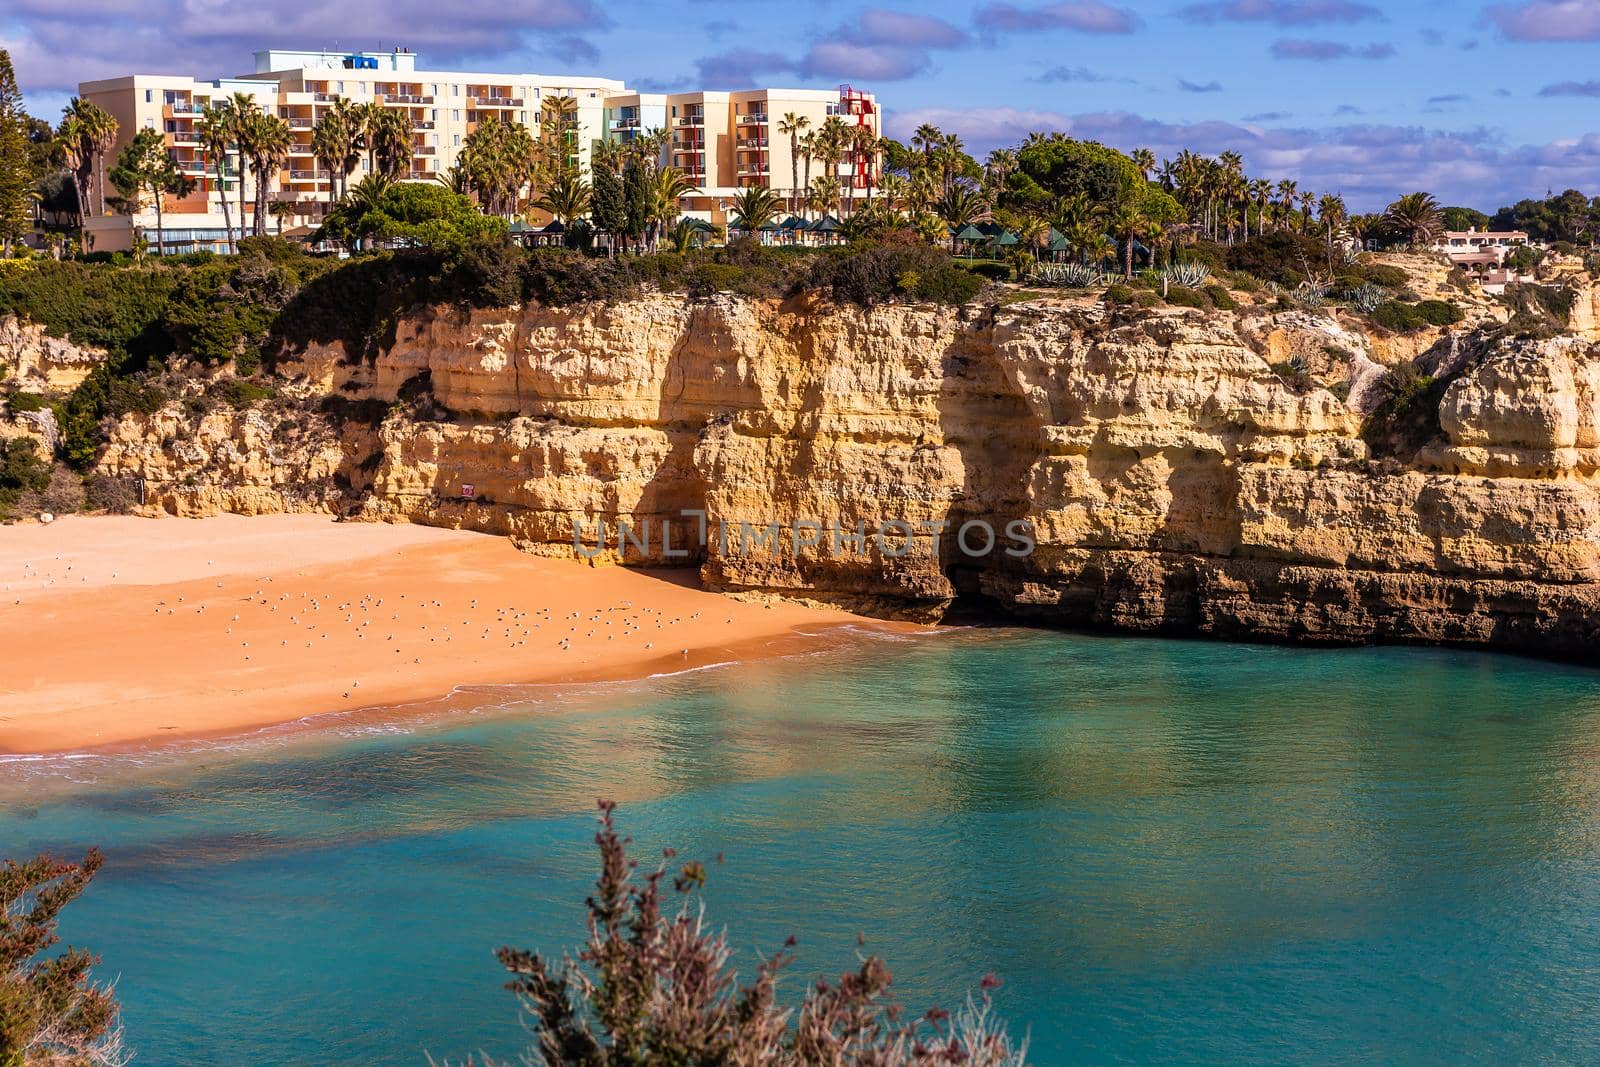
(16, 170)
(636, 200)
(606, 204)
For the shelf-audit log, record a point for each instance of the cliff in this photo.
(1172, 479)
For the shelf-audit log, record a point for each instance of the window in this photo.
(433, 90)
(455, 115)
(458, 140)
(434, 114)
(149, 96)
(455, 90)
(524, 117)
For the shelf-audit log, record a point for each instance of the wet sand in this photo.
(124, 631)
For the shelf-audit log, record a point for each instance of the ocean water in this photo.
(1168, 851)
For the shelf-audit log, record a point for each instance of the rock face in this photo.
(33, 361)
(1165, 476)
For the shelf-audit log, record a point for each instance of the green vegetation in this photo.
(1404, 318)
(412, 215)
(1407, 416)
(51, 1012)
(22, 471)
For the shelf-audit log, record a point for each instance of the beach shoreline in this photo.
(125, 634)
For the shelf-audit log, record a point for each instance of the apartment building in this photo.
(723, 140)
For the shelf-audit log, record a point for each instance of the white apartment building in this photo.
(722, 140)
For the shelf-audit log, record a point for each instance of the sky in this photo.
(1480, 103)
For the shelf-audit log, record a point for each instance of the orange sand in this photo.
(120, 630)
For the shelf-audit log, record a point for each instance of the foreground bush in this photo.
(51, 1013)
(649, 989)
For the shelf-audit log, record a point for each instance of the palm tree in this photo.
(1129, 220)
(269, 138)
(242, 115)
(1333, 214)
(671, 185)
(366, 117)
(823, 196)
(73, 151)
(1287, 190)
(566, 198)
(927, 138)
(755, 206)
(336, 141)
(389, 140)
(792, 126)
(280, 210)
(1258, 190)
(1034, 235)
(1145, 160)
(98, 131)
(94, 131)
(1415, 217)
(959, 207)
(808, 147)
(216, 136)
(896, 191)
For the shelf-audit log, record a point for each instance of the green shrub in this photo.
(1178, 296)
(1119, 294)
(875, 273)
(20, 402)
(1399, 317)
(1210, 253)
(239, 393)
(1281, 256)
(22, 470)
(1382, 274)
(1440, 312)
(1221, 299)
(994, 271)
(1407, 415)
(1241, 281)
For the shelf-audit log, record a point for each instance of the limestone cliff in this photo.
(1172, 479)
(32, 360)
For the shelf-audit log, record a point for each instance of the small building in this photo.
(1474, 242)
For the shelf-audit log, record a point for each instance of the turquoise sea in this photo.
(1169, 851)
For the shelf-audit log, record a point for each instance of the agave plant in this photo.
(1367, 298)
(1310, 295)
(1067, 275)
(1188, 275)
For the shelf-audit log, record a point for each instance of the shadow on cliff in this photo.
(985, 418)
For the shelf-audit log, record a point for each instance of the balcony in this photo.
(407, 98)
(297, 122)
(183, 107)
(754, 170)
(427, 125)
(752, 119)
(759, 143)
(184, 137)
(496, 101)
(625, 124)
(424, 150)
(692, 120)
(325, 98)
(303, 175)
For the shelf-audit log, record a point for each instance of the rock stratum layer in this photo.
(1172, 480)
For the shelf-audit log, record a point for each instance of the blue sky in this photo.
(1482, 103)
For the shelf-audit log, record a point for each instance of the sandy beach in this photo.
(124, 631)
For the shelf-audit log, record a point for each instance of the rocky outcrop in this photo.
(245, 462)
(33, 361)
(1166, 477)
